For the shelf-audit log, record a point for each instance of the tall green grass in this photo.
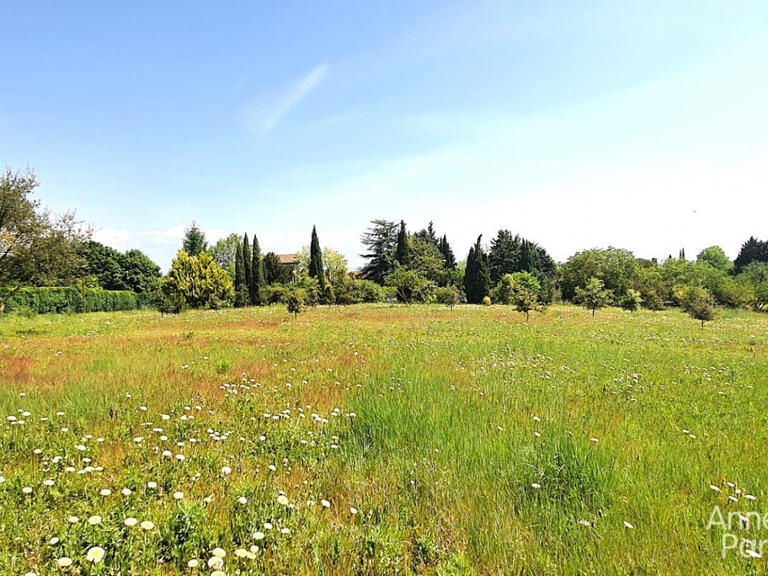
(445, 442)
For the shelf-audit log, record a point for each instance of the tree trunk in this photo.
(526, 316)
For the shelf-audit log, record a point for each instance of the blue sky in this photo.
(578, 124)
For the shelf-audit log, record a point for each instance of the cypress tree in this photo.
(247, 262)
(316, 259)
(257, 272)
(527, 257)
(239, 273)
(477, 277)
(401, 253)
(240, 288)
(483, 271)
(470, 272)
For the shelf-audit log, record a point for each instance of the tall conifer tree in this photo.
(240, 287)
(316, 259)
(445, 250)
(527, 257)
(401, 253)
(247, 262)
(257, 274)
(477, 277)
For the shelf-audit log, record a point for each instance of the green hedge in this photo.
(67, 299)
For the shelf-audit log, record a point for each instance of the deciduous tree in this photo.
(699, 304)
(593, 296)
(36, 247)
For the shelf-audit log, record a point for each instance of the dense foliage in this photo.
(37, 249)
(132, 270)
(477, 277)
(66, 299)
(195, 282)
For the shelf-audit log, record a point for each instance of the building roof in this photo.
(288, 258)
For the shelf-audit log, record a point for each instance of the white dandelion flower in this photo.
(95, 554)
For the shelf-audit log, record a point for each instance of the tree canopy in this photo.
(194, 242)
(36, 247)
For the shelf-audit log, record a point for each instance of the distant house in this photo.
(291, 262)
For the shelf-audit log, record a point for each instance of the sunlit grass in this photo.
(378, 439)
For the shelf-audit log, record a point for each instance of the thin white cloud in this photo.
(292, 97)
(160, 245)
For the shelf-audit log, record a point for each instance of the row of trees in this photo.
(668, 283)
(234, 272)
(421, 267)
(38, 248)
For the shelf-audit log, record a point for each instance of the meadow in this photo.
(380, 439)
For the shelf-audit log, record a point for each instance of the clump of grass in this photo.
(563, 472)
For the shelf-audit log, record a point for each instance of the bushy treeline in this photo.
(69, 299)
(401, 266)
(49, 264)
(660, 284)
(233, 272)
(112, 270)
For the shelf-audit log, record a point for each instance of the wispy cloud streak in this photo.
(294, 96)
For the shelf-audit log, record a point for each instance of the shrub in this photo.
(196, 282)
(368, 291)
(275, 293)
(326, 294)
(486, 301)
(69, 299)
(631, 300)
(504, 290)
(295, 302)
(447, 295)
(410, 286)
(311, 290)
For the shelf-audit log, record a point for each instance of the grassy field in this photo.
(380, 440)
